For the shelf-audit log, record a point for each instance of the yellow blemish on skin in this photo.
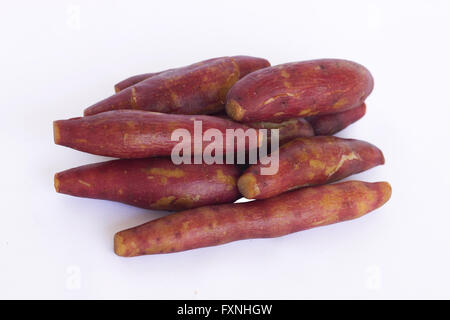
(316, 164)
(133, 98)
(56, 133)
(305, 112)
(362, 207)
(186, 202)
(163, 203)
(278, 114)
(175, 98)
(346, 157)
(168, 173)
(285, 74)
(341, 102)
(85, 183)
(248, 186)
(56, 181)
(131, 124)
(287, 84)
(230, 181)
(120, 191)
(234, 110)
(277, 97)
(163, 180)
(269, 100)
(185, 225)
(328, 201)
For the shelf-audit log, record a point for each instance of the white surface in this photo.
(59, 57)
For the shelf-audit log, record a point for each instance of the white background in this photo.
(59, 57)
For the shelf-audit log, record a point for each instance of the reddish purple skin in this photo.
(134, 134)
(249, 64)
(133, 80)
(154, 183)
(299, 89)
(200, 88)
(290, 212)
(310, 161)
(246, 65)
(330, 124)
(288, 130)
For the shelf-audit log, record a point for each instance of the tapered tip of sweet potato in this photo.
(248, 186)
(386, 192)
(119, 247)
(234, 110)
(56, 132)
(56, 182)
(382, 159)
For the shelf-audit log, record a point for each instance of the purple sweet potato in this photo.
(310, 161)
(137, 134)
(200, 88)
(290, 212)
(246, 65)
(329, 124)
(154, 183)
(128, 82)
(299, 89)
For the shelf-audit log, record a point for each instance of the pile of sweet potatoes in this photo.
(306, 101)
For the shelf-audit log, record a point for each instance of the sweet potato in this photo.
(246, 65)
(310, 161)
(154, 183)
(290, 212)
(200, 88)
(329, 124)
(128, 82)
(134, 133)
(299, 89)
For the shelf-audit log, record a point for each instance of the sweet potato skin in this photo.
(290, 212)
(132, 134)
(153, 183)
(200, 88)
(299, 89)
(310, 161)
(288, 129)
(128, 82)
(246, 65)
(329, 124)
